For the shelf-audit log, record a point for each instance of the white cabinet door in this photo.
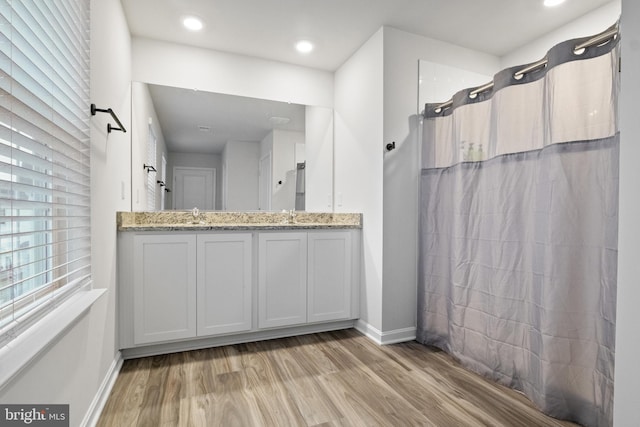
(282, 279)
(224, 283)
(164, 283)
(329, 278)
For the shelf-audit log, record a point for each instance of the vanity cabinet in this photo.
(181, 286)
(330, 276)
(179, 290)
(304, 277)
(224, 277)
(164, 291)
(282, 279)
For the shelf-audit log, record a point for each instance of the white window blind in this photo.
(44, 157)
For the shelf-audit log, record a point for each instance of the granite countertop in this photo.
(219, 220)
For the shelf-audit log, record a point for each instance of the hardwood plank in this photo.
(335, 351)
(174, 388)
(198, 375)
(355, 412)
(266, 385)
(156, 386)
(226, 403)
(433, 402)
(330, 379)
(372, 400)
(498, 403)
(123, 407)
(305, 391)
(316, 362)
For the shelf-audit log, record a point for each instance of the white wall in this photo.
(264, 175)
(402, 52)
(319, 155)
(241, 161)
(358, 173)
(189, 67)
(195, 160)
(590, 24)
(283, 170)
(627, 377)
(266, 145)
(376, 101)
(73, 369)
(143, 113)
(439, 82)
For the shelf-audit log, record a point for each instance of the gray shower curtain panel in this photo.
(518, 244)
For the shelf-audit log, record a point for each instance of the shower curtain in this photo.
(518, 239)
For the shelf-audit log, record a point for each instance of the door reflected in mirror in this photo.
(226, 152)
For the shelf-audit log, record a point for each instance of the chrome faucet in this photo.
(195, 212)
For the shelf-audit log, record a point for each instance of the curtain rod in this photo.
(593, 41)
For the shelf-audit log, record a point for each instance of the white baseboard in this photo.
(388, 337)
(369, 331)
(216, 341)
(399, 335)
(97, 405)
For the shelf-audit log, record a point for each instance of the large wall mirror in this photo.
(215, 151)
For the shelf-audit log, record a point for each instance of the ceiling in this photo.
(270, 28)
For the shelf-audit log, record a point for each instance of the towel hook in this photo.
(121, 128)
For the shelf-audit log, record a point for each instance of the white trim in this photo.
(369, 331)
(97, 405)
(231, 339)
(19, 353)
(386, 338)
(399, 335)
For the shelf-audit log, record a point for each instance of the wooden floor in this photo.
(328, 379)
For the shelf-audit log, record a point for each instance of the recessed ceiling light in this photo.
(192, 23)
(304, 46)
(551, 3)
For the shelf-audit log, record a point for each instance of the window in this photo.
(45, 228)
